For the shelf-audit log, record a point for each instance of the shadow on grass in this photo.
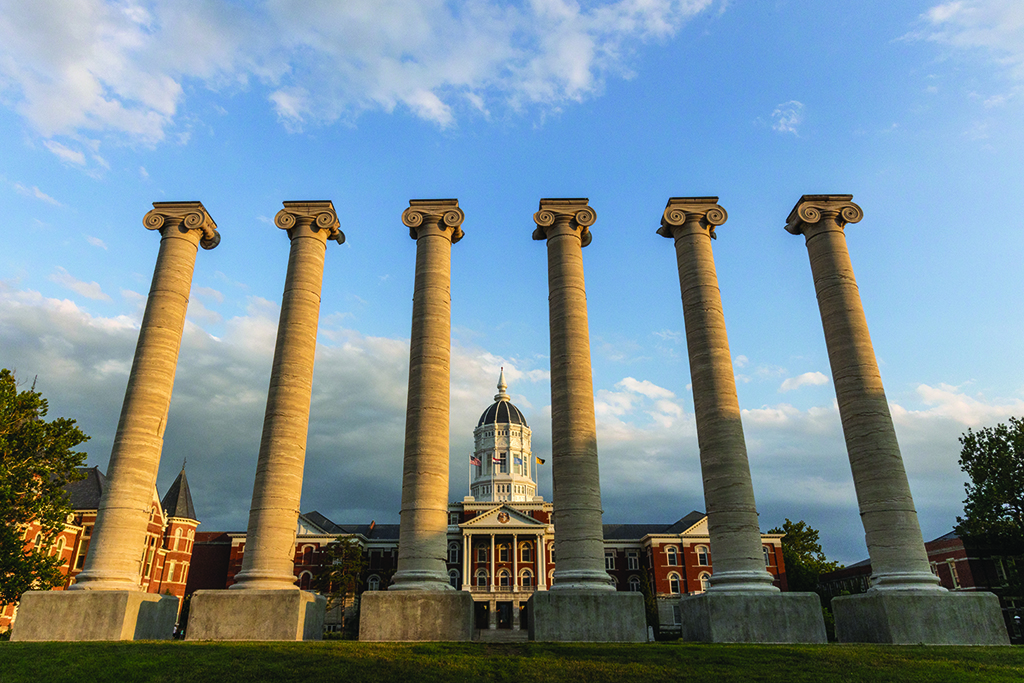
(516, 663)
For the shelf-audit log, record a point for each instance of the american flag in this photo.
(473, 460)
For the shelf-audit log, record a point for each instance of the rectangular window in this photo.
(952, 573)
(609, 560)
(481, 554)
(632, 560)
(453, 518)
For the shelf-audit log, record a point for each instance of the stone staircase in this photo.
(501, 635)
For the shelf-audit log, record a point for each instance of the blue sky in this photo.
(915, 108)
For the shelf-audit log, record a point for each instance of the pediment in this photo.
(495, 519)
(698, 529)
(308, 528)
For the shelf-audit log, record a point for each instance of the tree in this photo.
(803, 556)
(993, 460)
(37, 461)
(342, 576)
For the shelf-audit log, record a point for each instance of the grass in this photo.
(579, 663)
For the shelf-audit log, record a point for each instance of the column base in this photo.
(920, 617)
(587, 616)
(251, 614)
(95, 615)
(754, 617)
(415, 616)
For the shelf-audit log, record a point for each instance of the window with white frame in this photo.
(703, 556)
(609, 560)
(453, 579)
(952, 573)
(767, 555)
(453, 519)
(526, 578)
(526, 552)
(481, 554)
(453, 553)
(373, 583)
(632, 560)
(673, 583)
(504, 578)
(634, 584)
(503, 552)
(705, 581)
(481, 578)
(672, 556)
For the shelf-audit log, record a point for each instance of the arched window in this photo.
(551, 552)
(634, 584)
(673, 583)
(504, 578)
(453, 553)
(170, 571)
(305, 578)
(307, 554)
(526, 552)
(705, 581)
(373, 583)
(481, 578)
(58, 549)
(526, 578)
(453, 579)
(703, 556)
(503, 553)
(672, 556)
(177, 539)
(767, 555)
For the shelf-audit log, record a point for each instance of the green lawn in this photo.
(422, 663)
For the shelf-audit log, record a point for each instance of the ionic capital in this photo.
(441, 214)
(184, 216)
(703, 210)
(812, 208)
(318, 215)
(572, 213)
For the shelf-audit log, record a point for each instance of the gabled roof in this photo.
(178, 501)
(516, 519)
(371, 531)
(625, 532)
(85, 493)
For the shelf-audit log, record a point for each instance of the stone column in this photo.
(565, 224)
(429, 609)
(728, 492)
(589, 608)
(904, 595)
(119, 536)
(269, 559)
(467, 559)
(268, 564)
(739, 572)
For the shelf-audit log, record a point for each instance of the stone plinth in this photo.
(746, 617)
(920, 617)
(587, 616)
(416, 616)
(253, 614)
(95, 615)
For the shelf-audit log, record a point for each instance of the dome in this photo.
(502, 411)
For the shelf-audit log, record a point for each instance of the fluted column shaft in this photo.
(892, 530)
(579, 544)
(119, 536)
(269, 559)
(728, 491)
(422, 544)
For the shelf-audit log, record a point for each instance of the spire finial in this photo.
(501, 396)
(183, 462)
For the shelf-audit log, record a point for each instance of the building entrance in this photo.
(481, 615)
(504, 615)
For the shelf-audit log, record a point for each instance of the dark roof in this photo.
(85, 493)
(369, 531)
(502, 412)
(178, 501)
(623, 532)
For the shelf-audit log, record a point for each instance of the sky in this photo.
(914, 108)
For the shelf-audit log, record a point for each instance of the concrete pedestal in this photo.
(925, 617)
(95, 615)
(587, 616)
(416, 616)
(751, 617)
(253, 614)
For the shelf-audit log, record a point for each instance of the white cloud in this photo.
(787, 117)
(994, 27)
(804, 380)
(90, 290)
(143, 173)
(36, 193)
(96, 241)
(120, 68)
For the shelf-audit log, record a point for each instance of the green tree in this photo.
(341, 577)
(37, 461)
(993, 460)
(650, 604)
(803, 556)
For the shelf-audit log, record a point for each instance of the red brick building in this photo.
(164, 562)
